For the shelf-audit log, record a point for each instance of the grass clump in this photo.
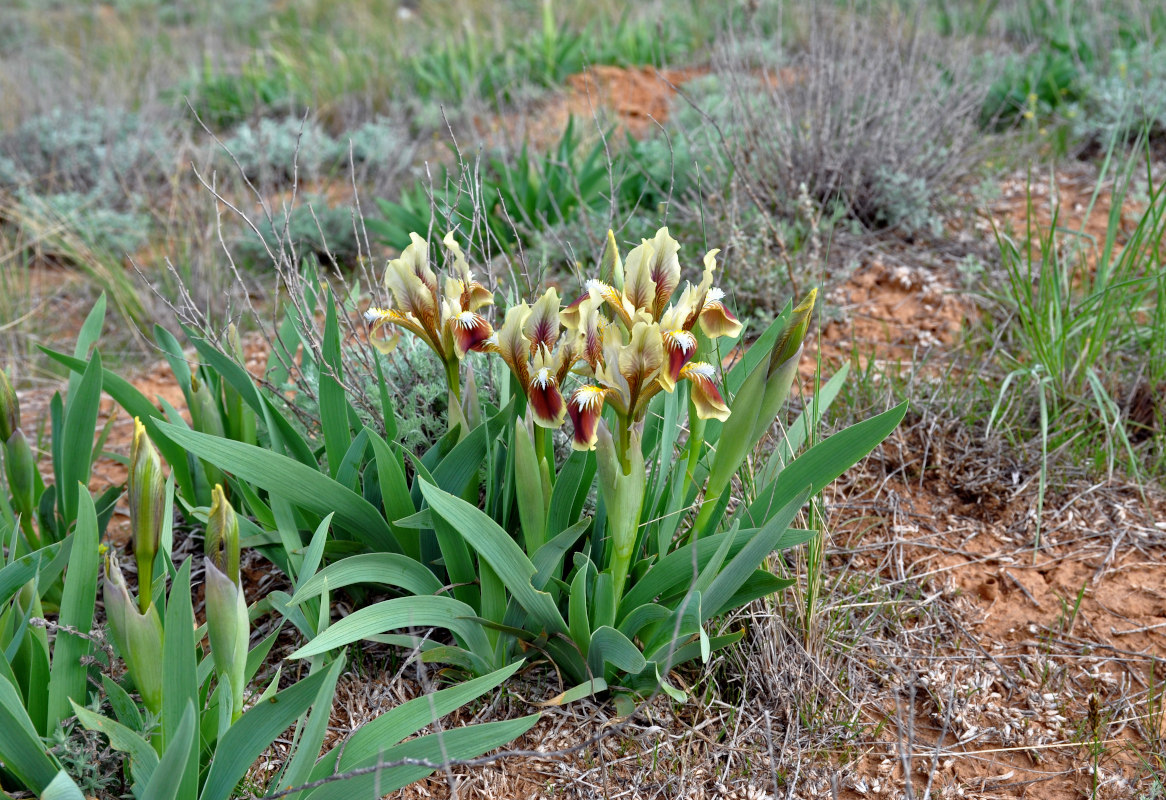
(101, 228)
(1082, 355)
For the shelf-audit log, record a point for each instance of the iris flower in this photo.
(659, 334)
(447, 319)
(540, 354)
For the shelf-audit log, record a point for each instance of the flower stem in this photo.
(453, 378)
(540, 443)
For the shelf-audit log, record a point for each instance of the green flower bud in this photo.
(147, 501)
(204, 411)
(756, 406)
(226, 609)
(611, 267)
(9, 409)
(222, 535)
(229, 630)
(20, 466)
(136, 635)
(623, 498)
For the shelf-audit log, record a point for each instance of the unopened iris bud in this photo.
(789, 344)
(20, 466)
(611, 267)
(622, 489)
(204, 412)
(147, 500)
(226, 609)
(756, 406)
(9, 409)
(222, 535)
(136, 635)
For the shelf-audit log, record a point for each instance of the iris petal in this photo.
(705, 395)
(470, 332)
(585, 408)
(716, 320)
(545, 400)
(542, 326)
(679, 347)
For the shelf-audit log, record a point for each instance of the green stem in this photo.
(702, 518)
(145, 585)
(624, 442)
(453, 378)
(540, 443)
(695, 440)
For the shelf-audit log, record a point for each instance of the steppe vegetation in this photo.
(374, 422)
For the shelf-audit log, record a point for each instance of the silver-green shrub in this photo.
(278, 150)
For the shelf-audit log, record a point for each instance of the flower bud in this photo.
(204, 411)
(229, 630)
(9, 409)
(222, 535)
(611, 267)
(147, 501)
(756, 406)
(136, 635)
(226, 609)
(20, 466)
(790, 342)
(622, 490)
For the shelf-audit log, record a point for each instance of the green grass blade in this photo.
(436, 748)
(402, 612)
(280, 475)
(80, 426)
(389, 569)
(333, 402)
(180, 686)
(180, 751)
(807, 421)
(62, 787)
(609, 646)
(254, 732)
(753, 554)
(308, 748)
(572, 477)
(547, 561)
(824, 462)
(87, 337)
(395, 495)
(501, 552)
(136, 404)
(34, 564)
(67, 678)
(532, 510)
(21, 750)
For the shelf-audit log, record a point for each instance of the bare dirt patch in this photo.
(892, 313)
(625, 100)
